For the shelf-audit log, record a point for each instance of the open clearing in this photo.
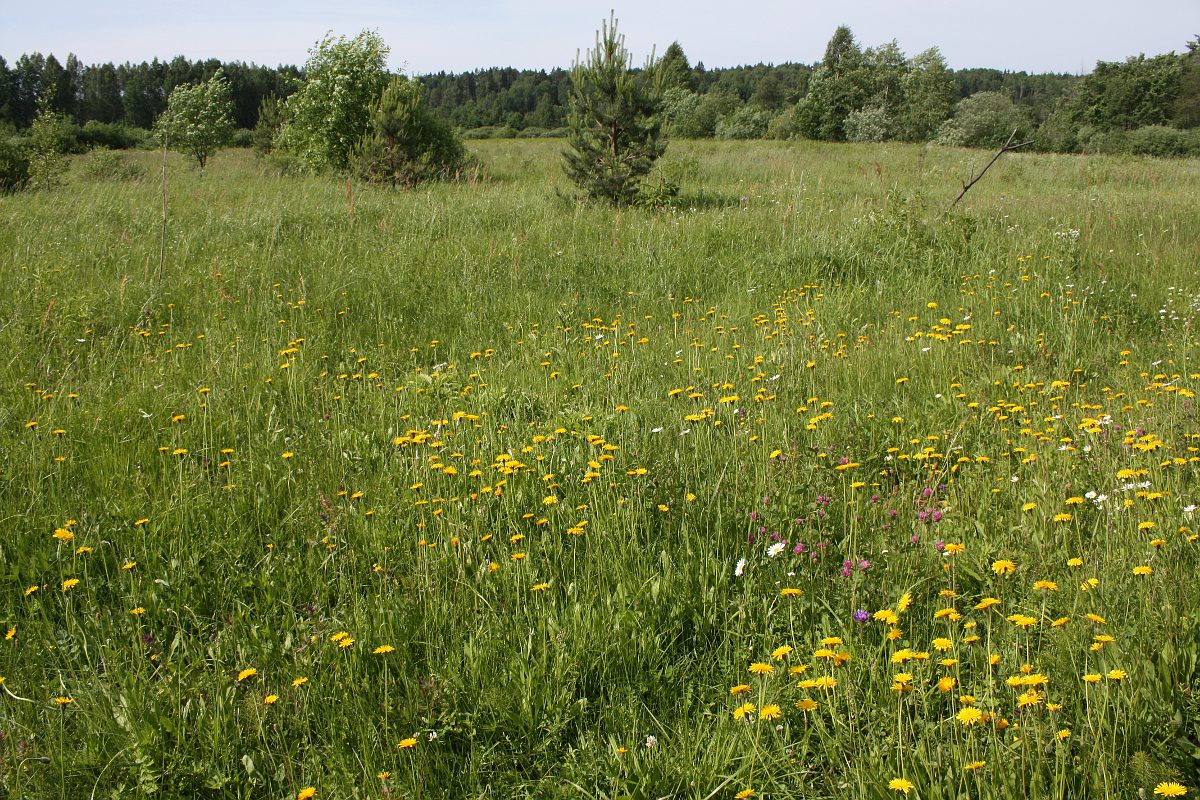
(797, 488)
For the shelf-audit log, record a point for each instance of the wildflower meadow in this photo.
(804, 485)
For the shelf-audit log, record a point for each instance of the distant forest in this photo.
(1144, 104)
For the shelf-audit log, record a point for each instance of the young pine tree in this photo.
(407, 142)
(614, 124)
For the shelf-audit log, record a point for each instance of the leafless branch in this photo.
(1008, 145)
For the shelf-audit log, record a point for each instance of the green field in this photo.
(798, 488)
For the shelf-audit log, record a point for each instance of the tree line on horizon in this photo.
(854, 93)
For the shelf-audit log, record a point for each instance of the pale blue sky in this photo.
(1049, 35)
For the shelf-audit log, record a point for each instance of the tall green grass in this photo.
(478, 463)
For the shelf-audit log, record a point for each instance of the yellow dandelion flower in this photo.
(760, 668)
(806, 704)
(306, 793)
(900, 785)
(1003, 567)
(407, 744)
(781, 652)
(246, 674)
(969, 715)
(974, 765)
(69, 584)
(1170, 789)
(770, 712)
(383, 649)
(299, 681)
(743, 710)
(270, 699)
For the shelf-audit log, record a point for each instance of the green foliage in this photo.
(840, 84)
(114, 135)
(928, 90)
(870, 124)
(615, 120)
(1158, 141)
(1131, 94)
(102, 164)
(676, 72)
(270, 120)
(14, 164)
(680, 111)
(769, 93)
(984, 120)
(331, 112)
(49, 141)
(199, 118)
(1186, 113)
(407, 143)
(747, 122)
(783, 125)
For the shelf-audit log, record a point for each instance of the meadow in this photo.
(797, 487)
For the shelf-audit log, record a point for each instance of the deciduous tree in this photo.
(199, 118)
(331, 112)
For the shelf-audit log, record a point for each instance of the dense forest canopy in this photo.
(854, 93)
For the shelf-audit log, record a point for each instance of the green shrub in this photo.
(113, 136)
(490, 132)
(14, 164)
(1163, 142)
(49, 141)
(985, 119)
(872, 124)
(407, 142)
(783, 126)
(746, 122)
(103, 164)
(1157, 141)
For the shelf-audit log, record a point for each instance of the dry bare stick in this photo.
(1007, 147)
